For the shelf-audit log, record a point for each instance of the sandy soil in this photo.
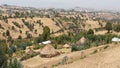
(109, 58)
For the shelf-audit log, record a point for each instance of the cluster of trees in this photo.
(6, 59)
(94, 40)
(45, 35)
(109, 27)
(16, 24)
(30, 26)
(117, 27)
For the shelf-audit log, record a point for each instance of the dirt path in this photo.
(110, 58)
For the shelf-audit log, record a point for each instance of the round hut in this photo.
(66, 46)
(48, 51)
(81, 41)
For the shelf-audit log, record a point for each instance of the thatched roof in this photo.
(48, 51)
(66, 46)
(81, 41)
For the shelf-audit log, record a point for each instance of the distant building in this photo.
(45, 42)
(115, 39)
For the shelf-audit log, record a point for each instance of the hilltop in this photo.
(21, 21)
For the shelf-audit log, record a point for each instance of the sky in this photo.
(93, 4)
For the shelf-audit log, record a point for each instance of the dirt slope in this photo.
(110, 58)
(16, 32)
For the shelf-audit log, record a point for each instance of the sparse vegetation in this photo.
(28, 27)
(16, 24)
(28, 56)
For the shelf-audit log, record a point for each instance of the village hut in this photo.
(66, 46)
(81, 41)
(48, 51)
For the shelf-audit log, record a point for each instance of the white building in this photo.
(45, 42)
(115, 39)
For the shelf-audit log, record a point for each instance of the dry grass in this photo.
(15, 33)
(105, 59)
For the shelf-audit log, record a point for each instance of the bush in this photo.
(29, 35)
(106, 47)
(30, 26)
(117, 28)
(14, 63)
(37, 46)
(55, 46)
(28, 56)
(90, 31)
(13, 28)
(13, 48)
(95, 51)
(16, 24)
(19, 37)
(75, 48)
(7, 33)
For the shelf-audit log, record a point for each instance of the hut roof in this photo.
(81, 41)
(66, 46)
(48, 51)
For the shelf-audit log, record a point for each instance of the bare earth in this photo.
(109, 58)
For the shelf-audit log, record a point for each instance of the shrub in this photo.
(13, 28)
(28, 56)
(55, 46)
(117, 28)
(23, 20)
(13, 48)
(30, 26)
(3, 57)
(14, 63)
(16, 24)
(90, 31)
(106, 47)
(1, 26)
(64, 60)
(95, 51)
(19, 37)
(7, 33)
(29, 36)
(75, 48)
(20, 31)
(37, 46)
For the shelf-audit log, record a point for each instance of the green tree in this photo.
(7, 33)
(46, 33)
(19, 37)
(108, 26)
(13, 28)
(14, 63)
(3, 57)
(29, 35)
(117, 28)
(90, 31)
